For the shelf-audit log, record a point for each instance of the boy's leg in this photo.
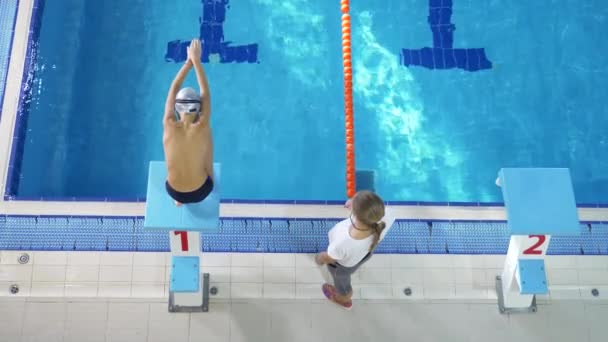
(209, 157)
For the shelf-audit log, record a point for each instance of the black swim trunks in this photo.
(195, 196)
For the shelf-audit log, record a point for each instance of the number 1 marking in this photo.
(184, 240)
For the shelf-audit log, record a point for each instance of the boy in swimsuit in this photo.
(187, 140)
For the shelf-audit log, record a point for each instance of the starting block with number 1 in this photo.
(187, 292)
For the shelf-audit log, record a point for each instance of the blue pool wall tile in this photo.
(7, 25)
(18, 142)
(253, 235)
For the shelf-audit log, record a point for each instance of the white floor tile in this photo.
(115, 273)
(86, 322)
(223, 291)
(308, 275)
(129, 316)
(47, 289)
(16, 273)
(49, 273)
(291, 322)
(590, 277)
(559, 292)
(148, 290)
(437, 261)
(305, 260)
(24, 289)
(213, 326)
(87, 311)
(247, 274)
(154, 274)
(332, 323)
(560, 262)
(50, 258)
(246, 290)
(250, 322)
(12, 314)
(44, 321)
(94, 331)
(81, 289)
(407, 261)
(374, 276)
(165, 326)
(126, 335)
(279, 260)
(216, 260)
(562, 276)
(378, 261)
(280, 275)
(566, 320)
(405, 276)
(218, 274)
(438, 277)
(491, 274)
(487, 324)
(116, 258)
(436, 322)
(599, 262)
(279, 291)
(417, 292)
(82, 273)
(150, 259)
(595, 316)
(494, 261)
(12, 257)
(467, 261)
(470, 292)
(464, 276)
(587, 294)
(247, 260)
(376, 292)
(445, 292)
(309, 291)
(530, 327)
(114, 290)
(84, 258)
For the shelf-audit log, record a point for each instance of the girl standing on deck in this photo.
(351, 243)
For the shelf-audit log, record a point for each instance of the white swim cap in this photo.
(188, 101)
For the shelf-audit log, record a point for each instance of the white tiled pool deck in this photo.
(298, 320)
(142, 275)
(111, 296)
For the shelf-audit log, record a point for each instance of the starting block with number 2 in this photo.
(539, 203)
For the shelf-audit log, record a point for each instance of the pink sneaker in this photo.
(329, 291)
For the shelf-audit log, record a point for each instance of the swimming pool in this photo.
(93, 122)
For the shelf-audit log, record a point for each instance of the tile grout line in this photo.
(148, 321)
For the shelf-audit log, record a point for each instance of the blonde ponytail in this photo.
(368, 208)
(378, 228)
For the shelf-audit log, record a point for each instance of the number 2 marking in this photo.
(533, 250)
(184, 238)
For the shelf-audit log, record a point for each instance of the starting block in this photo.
(184, 224)
(539, 203)
(161, 211)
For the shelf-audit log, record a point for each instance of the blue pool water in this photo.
(430, 134)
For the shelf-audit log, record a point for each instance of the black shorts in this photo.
(195, 196)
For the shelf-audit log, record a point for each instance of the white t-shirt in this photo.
(343, 248)
(348, 251)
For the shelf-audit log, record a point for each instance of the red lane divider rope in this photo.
(348, 99)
